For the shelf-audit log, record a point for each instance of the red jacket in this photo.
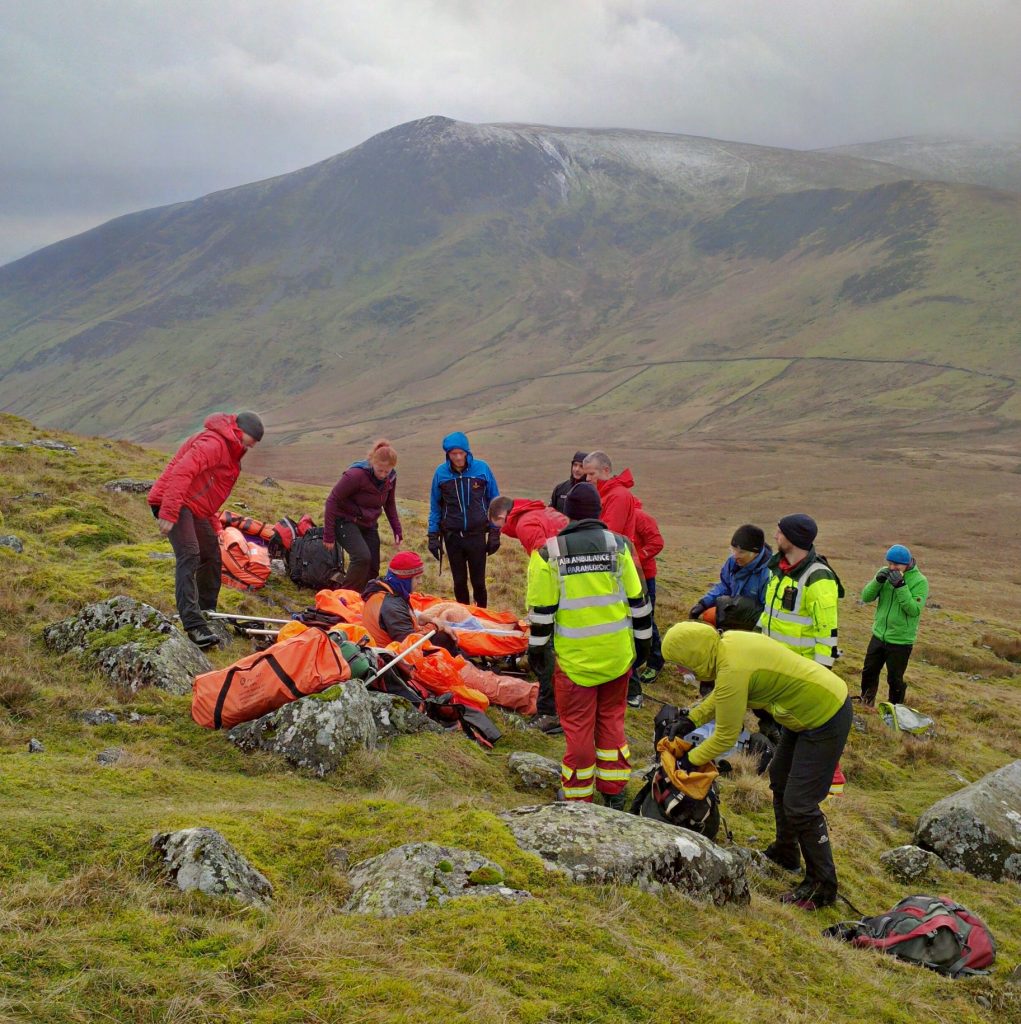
(202, 473)
(619, 505)
(533, 523)
(648, 543)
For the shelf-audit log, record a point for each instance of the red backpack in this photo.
(928, 930)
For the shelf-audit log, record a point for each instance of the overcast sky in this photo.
(109, 106)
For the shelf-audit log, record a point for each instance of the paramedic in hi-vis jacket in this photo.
(586, 593)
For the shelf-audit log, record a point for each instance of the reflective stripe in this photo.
(582, 773)
(613, 774)
(625, 751)
(801, 620)
(536, 640)
(579, 792)
(540, 618)
(606, 755)
(792, 641)
(602, 629)
(642, 610)
(595, 601)
(553, 548)
(643, 634)
(825, 659)
(826, 641)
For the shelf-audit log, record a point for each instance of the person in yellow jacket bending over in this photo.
(811, 705)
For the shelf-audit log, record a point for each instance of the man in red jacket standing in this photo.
(530, 522)
(186, 501)
(619, 504)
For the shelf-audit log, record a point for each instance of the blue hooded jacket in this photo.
(459, 501)
(738, 581)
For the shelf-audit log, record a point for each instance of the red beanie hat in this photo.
(406, 564)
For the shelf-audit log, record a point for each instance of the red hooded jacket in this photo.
(619, 505)
(648, 543)
(202, 473)
(533, 523)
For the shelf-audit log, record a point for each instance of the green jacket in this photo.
(751, 671)
(585, 591)
(899, 608)
(801, 608)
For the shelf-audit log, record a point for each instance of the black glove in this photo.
(435, 545)
(493, 542)
(679, 728)
(896, 578)
(696, 611)
(684, 765)
(883, 574)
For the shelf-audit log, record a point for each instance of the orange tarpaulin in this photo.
(475, 643)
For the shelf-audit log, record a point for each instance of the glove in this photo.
(883, 574)
(684, 765)
(493, 542)
(679, 728)
(895, 578)
(696, 611)
(435, 545)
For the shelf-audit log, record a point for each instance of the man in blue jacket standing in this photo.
(462, 488)
(744, 574)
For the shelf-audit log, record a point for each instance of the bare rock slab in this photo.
(911, 863)
(978, 828)
(533, 772)
(127, 486)
(419, 875)
(600, 846)
(395, 716)
(200, 858)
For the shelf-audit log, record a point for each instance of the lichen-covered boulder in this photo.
(602, 846)
(110, 756)
(419, 875)
(9, 540)
(313, 733)
(533, 772)
(127, 486)
(134, 645)
(97, 716)
(395, 716)
(911, 863)
(200, 858)
(978, 828)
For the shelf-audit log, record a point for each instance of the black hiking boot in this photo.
(808, 896)
(549, 725)
(203, 638)
(789, 861)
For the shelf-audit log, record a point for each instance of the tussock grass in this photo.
(85, 935)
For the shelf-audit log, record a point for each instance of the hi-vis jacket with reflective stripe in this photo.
(801, 608)
(585, 591)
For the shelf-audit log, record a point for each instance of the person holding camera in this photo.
(901, 591)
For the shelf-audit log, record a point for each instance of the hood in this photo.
(622, 479)
(226, 425)
(579, 457)
(520, 507)
(457, 439)
(694, 645)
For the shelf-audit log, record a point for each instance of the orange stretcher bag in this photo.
(252, 687)
(243, 566)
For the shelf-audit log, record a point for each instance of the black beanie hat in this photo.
(582, 502)
(799, 529)
(250, 423)
(579, 457)
(748, 538)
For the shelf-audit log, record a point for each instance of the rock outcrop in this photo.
(127, 486)
(200, 858)
(15, 544)
(911, 863)
(395, 716)
(134, 645)
(419, 875)
(533, 772)
(978, 828)
(601, 846)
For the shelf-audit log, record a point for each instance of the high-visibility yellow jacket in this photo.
(585, 592)
(801, 608)
(751, 671)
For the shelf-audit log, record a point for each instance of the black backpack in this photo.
(737, 613)
(660, 800)
(311, 565)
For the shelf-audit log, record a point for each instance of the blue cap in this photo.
(899, 554)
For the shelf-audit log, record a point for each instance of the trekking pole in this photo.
(400, 657)
(262, 632)
(246, 618)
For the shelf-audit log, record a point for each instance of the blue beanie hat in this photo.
(899, 554)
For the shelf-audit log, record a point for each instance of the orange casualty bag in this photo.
(502, 634)
(243, 566)
(262, 682)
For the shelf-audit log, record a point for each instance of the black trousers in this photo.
(800, 774)
(466, 555)
(895, 657)
(362, 546)
(197, 573)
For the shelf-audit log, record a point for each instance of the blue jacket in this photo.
(735, 581)
(459, 501)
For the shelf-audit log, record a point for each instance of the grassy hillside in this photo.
(84, 937)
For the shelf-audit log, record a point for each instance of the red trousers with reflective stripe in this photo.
(592, 718)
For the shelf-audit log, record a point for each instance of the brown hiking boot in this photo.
(549, 725)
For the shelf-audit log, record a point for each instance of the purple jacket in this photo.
(359, 497)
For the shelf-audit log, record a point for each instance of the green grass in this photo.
(87, 934)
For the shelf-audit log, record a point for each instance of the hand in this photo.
(696, 611)
(435, 545)
(679, 728)
(895, 578)
(328, 545)
(165, 526)
(493, 542)
(883, 574)
(685, 765)
(398, 541)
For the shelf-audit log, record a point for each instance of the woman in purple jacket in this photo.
(352, 513)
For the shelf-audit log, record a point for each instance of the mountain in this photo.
(515, 280)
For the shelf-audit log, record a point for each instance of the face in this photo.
(577, 471)
(899, 566)
(380, 468)
(247, 440)
(458, 458)
(498, 520)
(593, 473)
(783, 545)
(741, 556)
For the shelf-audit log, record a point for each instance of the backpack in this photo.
(737, 613)
(243, 565)
(660, 800)
(901, 718)
(309, 564)
(928, 930)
